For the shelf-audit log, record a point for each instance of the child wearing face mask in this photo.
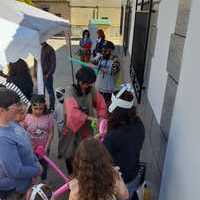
(39, 124)
(108, 68)
(85, 46)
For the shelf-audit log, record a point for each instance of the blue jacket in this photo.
(18, 163)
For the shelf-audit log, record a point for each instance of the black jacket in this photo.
(25, 84)
(124, 145)
(48, 59)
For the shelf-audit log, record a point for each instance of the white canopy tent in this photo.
(43, 23)
(17, 42)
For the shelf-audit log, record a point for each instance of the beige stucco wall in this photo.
(55, 7)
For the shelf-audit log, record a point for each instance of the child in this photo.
(108, 67)
(86, 45)
(59, 114)
(39, 124)
(39, 192)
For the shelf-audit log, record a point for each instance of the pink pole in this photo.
(103, 126)
(41, 153)
(61, 190)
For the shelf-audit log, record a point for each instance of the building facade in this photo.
(58, 7)
(169, 101)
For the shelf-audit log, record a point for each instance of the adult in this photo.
(48, 61)
(18, 164)
(125, 136)
(80, 102)
(19, 74)
(100, 42)
(94, 177)
(85, 46)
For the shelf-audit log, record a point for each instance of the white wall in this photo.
(181, 178)
(132, 27)
(158, 75)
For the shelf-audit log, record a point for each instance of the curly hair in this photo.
(93, 169)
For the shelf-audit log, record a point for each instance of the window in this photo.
(127, 26)
(45, 8)
(58, 14)
(122, 19)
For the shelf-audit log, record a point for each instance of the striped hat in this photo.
(13, 87)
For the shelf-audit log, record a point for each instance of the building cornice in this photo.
(50, 1)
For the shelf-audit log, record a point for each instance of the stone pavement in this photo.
(62, 78)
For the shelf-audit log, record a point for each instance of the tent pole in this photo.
(70, 53)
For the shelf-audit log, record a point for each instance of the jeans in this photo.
(133, 186)
(48, 83)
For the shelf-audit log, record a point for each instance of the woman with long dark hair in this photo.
(19, 74)
(85, 46)
(94, 177)
(125, 137)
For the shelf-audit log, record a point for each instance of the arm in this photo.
(75, 118)
(121, 190)
(13, 164)
(51, 132)
(50, 138)
(74, 190)
(100, 105)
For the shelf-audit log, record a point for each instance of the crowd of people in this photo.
(98, 171)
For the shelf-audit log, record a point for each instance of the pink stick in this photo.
(61, 190)
(103, 125)
(41, 153)
(55, 168)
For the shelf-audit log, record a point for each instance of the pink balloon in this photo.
(103, 126)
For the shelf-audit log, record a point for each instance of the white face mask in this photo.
(37, 190)
(117, 102)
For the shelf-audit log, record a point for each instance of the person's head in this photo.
(107, 49)
(21, 113)
(92, 167)
(60, 93)
(86, 34)
(44, 44)
(86, 78)
(101, 34)
(18, 69)
(39, 192)
(9, 105)
(38, 105)
(120, 115)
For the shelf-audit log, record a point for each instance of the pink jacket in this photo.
(75, 118)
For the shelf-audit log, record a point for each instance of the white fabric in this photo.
(16, 42)
(117, 102)
(37, 190)
(45, 23)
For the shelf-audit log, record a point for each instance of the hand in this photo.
(117, 169)
(92, 118)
